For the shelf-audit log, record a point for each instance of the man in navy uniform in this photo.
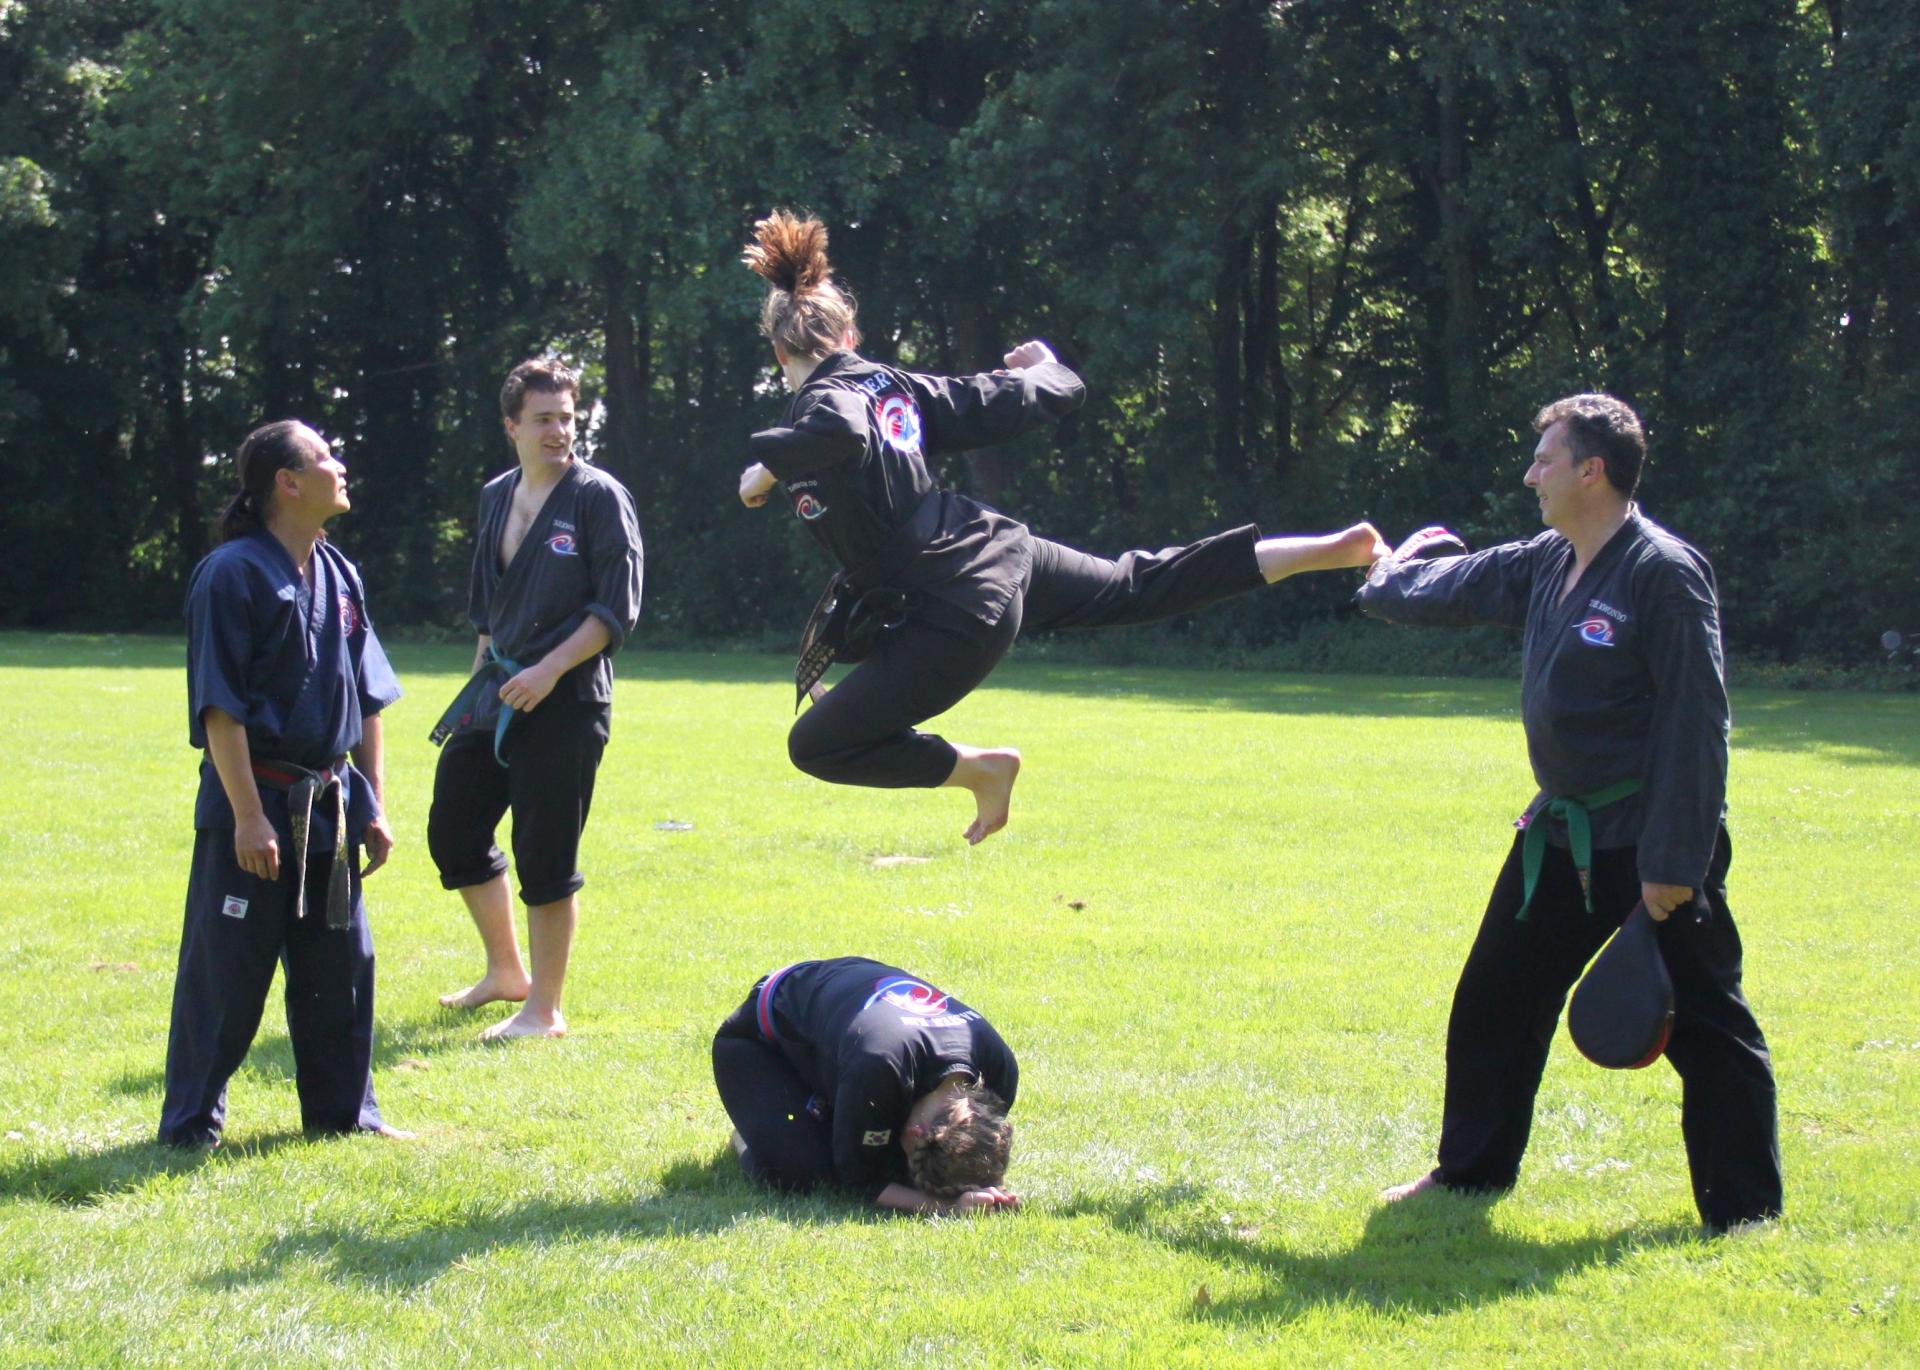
(285, 681)
(1623, 696)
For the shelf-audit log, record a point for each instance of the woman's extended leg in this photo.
(1074, 589)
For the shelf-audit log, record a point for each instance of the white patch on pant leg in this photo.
(234, 906)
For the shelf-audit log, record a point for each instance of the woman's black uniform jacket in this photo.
(852, 455)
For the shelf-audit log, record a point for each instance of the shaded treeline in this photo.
(1316, 260)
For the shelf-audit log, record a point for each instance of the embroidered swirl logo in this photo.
(809, 508)
(900, 423)
(561, 544)
(349, 618)
(909, 996)
(1597, 631)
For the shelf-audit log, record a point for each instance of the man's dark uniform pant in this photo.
(226, 968)
(1508, 1002)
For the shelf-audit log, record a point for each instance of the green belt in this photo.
(496, 671)
(1574, 810)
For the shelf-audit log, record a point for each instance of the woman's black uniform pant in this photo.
(1508, 1003)
(789, 1142)
(863, 732)
(238, 927)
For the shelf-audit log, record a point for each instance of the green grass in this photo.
(1221, 935)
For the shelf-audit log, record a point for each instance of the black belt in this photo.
(300, 785)
(859, 604)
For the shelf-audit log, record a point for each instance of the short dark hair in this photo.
(538, 373)
(1601, 426)
(968, 1144)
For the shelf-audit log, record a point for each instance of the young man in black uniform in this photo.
(555, 591)
(1624, 700)
(854, 1073)
(851, 453)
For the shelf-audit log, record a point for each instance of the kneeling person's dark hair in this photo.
(967, 1146)
(1601, 426)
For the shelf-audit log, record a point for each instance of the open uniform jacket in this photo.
(870, 1040)
(581, 556)
(1622, 680)
(295, 660)
(852, 453)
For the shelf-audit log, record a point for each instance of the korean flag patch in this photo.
(880, 1138)
(234, 906)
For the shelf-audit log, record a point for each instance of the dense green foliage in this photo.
(1317, 260)
(1221, 934)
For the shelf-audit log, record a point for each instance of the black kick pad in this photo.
(1621, 1014)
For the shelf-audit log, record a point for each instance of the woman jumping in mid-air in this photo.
(952, 581)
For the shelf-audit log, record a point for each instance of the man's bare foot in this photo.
(492, 989)
(990, 775)
(392, 1133)
(1409, 1189)
(527, 1023)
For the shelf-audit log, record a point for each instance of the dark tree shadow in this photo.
(86, 1177)
(693, 1197)
(1432, 1254)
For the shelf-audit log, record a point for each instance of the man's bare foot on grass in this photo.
(527, 1023)
(989, 773)
(492, 989)
(392, 1133)
(1409, 1189)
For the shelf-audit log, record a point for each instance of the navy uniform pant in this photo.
(1508, 1003)
(238, 927)
(789, 1142)
(864, 731)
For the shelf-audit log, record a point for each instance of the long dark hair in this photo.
(268, 449)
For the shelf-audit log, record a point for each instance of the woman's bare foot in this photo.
(492, 989)
(989, 772)
(1358, 546)
(527, 1023)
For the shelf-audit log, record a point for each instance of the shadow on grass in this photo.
(395, 1044)
(1434, 1254)
(694, 1198)
(86, 1177)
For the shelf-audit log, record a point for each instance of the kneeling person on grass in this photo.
(854, 1073)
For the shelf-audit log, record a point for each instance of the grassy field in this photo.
(1221, 935)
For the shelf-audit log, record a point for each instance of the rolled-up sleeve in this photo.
(616, 561)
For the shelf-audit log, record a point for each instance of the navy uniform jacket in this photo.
(870, 1040)
(296, 662)
(581, 557)
(852, 453)
(1623, 680)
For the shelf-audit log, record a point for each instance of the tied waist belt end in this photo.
(1574, 810)
(302, 786)
(495, 671)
